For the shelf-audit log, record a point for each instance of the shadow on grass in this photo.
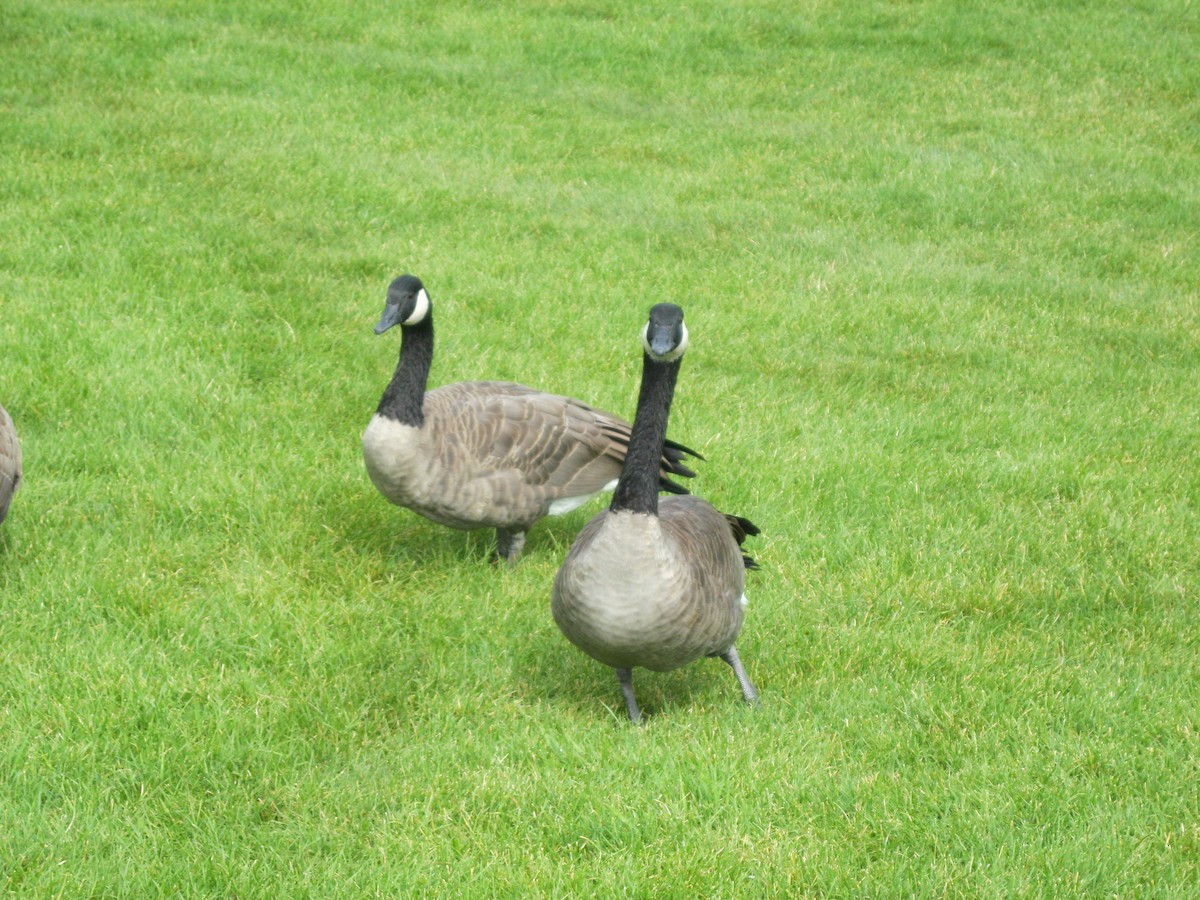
(550, 669)
(544, 668)
(400, 534)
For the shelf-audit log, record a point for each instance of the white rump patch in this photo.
(420, 311)
(566, 504)
(745, 602)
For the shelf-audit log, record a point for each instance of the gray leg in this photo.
(731, 656)
(625, 677)
(508, 545)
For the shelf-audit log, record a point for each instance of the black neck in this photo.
(637, 491)
(405, 394)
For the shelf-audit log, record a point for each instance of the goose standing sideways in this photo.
(489, 454)
(649, 583)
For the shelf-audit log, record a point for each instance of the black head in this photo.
(665, 337)
(407, 304)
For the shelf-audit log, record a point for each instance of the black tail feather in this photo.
(672, 464)
(742, 528)
(666, 484)
(676, 451)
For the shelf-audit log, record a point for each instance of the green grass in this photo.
(939, 262)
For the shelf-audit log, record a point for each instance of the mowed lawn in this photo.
(940, 264)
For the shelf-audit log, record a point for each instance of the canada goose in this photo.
(653, 584)
(492, 454)
(10, 462)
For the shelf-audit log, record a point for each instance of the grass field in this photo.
(940, 266)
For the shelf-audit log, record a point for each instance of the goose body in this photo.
(653, 591)
(648, 582)
(530, 455)
(488, 454)
(10, 462)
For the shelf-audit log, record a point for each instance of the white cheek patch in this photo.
(683, 342)
(420, 311)
(673, 354)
